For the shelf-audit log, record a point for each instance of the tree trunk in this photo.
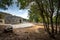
(41, 12)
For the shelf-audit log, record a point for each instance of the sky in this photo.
(14, 10)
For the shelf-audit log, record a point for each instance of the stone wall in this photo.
(13, 19)
(10, 19)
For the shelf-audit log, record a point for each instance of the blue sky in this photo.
(14, 10)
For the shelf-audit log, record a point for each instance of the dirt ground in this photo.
(29, 33)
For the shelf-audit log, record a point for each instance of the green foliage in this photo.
(4, 3)
(24, 3)
(34, 14)
(45, 9)
(54, 19)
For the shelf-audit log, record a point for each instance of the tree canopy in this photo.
(46, 10)
(5, 3)
(34, 15)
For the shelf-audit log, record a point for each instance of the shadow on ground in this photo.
(26, 34)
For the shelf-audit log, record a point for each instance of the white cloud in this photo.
(21, 13)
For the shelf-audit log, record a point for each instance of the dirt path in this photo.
(22, 25)
(28, 33)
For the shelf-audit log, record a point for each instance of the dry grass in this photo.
(32, 33)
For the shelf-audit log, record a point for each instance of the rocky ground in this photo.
(28, 33)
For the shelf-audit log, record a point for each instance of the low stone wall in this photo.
(12, 19)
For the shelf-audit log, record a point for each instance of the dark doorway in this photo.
(20, 21)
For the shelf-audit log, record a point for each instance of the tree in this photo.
(4, 4)
(34, 14)
(46, 11)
